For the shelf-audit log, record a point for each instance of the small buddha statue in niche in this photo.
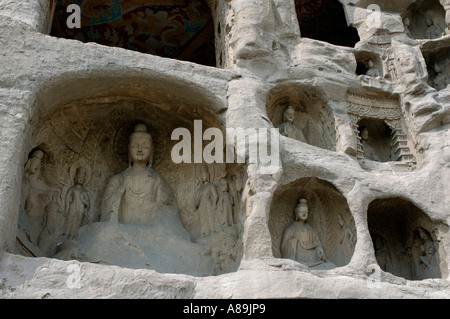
(441, 81)
(134, 195)
(373, 71)
(288, 128)
(433, 30)
(369, 153)
(300, 241)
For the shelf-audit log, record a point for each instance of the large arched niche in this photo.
(313, 118)
(329, 215)
(153, 85)
(93, 132)
(405, 239)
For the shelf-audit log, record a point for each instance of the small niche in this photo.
(380, 132)
(425, 19)
(302, 115)
(328, 225)
(369, 64)
(404, 239)
(375, 137)
(438, 66)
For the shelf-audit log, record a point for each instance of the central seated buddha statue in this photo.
(140, 225)
(134, 195)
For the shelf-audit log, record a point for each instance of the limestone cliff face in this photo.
(372, 103)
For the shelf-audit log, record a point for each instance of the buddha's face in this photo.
(437, 68)
(140, 149)
(289, 116)
(205, 176)
(365, 134)
(80, 177)
(35, 166)
(301, 213)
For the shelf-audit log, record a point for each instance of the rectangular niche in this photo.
(438, 65)
(380, 132)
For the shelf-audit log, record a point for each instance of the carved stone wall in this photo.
(356, 208)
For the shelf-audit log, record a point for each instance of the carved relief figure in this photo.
(406, 24)
(35, 195)
(206, 202)
(441, 81)
(392, 70)
(433, 30)
(373, 71)
(300, 241)
(382, 253)
(239, 182)
(134, 195)
(428, 250)
(53, 232)
(226, 204)
(77, 204)
(288, 128)
(346, 238)
(447, 17)
(369, 153)
(407, 63)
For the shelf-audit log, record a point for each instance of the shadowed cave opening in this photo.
(325, 20)
(404, 238)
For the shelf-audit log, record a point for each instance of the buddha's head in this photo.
(365, 133)
(301, 210)
(80, 176)
(289, 114)
(140, 149)
(34, 163)
(437, 68)
(223, 184)
(204, 173)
